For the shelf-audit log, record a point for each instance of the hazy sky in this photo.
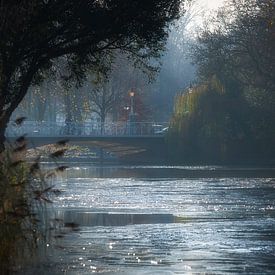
(212, 4)
(201, 10)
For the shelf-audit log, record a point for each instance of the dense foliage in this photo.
(230, 115)
(34, 34)
(25, 191)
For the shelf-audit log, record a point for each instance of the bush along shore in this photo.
(25, 195)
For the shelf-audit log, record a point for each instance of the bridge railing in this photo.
(61, 129)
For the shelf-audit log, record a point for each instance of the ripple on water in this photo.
(168, 226)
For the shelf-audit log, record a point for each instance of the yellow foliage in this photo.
(187, 104)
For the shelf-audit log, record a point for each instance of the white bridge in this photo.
(62, 129)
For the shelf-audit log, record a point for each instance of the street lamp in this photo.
(132, 118)
(132, 94)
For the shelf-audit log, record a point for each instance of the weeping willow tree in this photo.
(207, 123)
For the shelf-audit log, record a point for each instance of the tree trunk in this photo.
(102, 121)
(2, 139)
(4, 120)
(10, 101)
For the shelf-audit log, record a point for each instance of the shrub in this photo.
(24, 193)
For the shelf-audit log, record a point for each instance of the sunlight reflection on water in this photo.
(139, 225)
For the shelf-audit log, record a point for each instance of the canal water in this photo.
(164, 220)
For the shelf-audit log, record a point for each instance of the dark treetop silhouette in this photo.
(35, 33)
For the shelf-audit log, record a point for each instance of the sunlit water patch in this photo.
(152, 225)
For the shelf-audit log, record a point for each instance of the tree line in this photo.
(97, 98)
(229, 115)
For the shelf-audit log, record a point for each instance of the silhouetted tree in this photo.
(34, 33)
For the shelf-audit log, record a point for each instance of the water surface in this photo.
(165, 220)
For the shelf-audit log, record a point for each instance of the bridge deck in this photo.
(85, 130)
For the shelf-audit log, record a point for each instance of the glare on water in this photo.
(132, 224)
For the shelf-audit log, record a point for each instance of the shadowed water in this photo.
(167, 223)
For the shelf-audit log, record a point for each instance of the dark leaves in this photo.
(56, 192)
(61, 168)
(20, 120)
(42, 194)
(34, 167)
(19, 148)
(73, 226)
(17, 214)
(21, 139)
(16, 163)
(59, 236)
(58, 153)
(57, 220)
(50, 175)
(43, 198)
(62, 142)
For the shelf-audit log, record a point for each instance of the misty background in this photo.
(96, 99)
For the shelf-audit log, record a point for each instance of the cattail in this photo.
(34, 167)
(62, 142)
(16, 163)
(19, 148)
(61, 168)
(20, 120)
(58, 153)
(21, 139)
(73, 226)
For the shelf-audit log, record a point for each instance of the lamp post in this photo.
(132, 114)
(132, 94)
